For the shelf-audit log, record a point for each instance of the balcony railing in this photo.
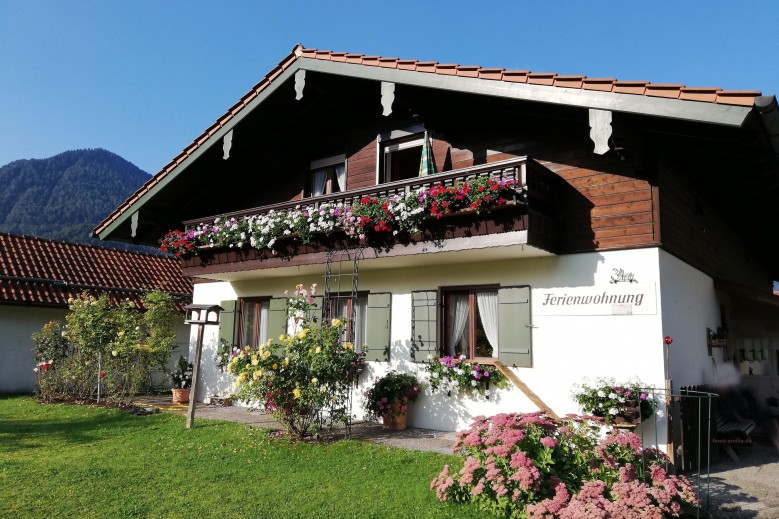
(511, 169)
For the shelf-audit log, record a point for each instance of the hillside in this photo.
(64, 197)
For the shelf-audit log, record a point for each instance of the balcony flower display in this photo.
(368, 218)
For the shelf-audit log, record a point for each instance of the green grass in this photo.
(82, 461)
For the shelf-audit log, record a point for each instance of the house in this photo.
(644, 211)
(38, 276)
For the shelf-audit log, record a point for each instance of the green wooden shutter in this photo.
(424, 326)
(277, 318)
(227, 319)
(514, 327)
(378, 327)
(315, 312)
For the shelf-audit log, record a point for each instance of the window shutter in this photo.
(514, 328)
(424, 311)
(277, 318)
(227, 319)
(315, 313)
(378, 318)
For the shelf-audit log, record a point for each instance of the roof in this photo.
(40, 272)
(709, 104)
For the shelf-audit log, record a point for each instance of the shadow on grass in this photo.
(32, 424)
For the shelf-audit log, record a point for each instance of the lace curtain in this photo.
(487, 302)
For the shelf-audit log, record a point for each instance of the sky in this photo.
(144, 78)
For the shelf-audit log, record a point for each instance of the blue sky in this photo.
(144, 78)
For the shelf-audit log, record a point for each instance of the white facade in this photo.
(17, 359)
(623, 341)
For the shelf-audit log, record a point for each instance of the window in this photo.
(401, 157)
(354, 310)
(471, 323)
(253, 325)
(474, 322)
(327, 176)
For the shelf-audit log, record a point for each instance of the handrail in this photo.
(510, 169)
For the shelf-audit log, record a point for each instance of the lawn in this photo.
(83, 461)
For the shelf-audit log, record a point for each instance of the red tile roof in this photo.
(39, 272)
(551, 79)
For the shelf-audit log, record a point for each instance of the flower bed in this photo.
(373, 219)
(528, 465)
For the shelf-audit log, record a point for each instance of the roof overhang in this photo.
(704, 112)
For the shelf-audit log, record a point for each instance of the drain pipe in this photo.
(768, 109)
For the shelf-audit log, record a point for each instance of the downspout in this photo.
(769, 113)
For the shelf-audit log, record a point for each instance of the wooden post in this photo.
(195, 374)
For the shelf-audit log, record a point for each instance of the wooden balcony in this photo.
(534, 211)
(517, 170)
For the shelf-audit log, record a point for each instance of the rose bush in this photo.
(304, 378)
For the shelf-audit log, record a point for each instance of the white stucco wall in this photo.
(689, 306)
(17, 360)
(566, 348)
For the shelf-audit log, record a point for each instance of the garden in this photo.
(510, 465)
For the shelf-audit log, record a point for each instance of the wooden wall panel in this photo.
(695, 232)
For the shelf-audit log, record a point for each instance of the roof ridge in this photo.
(551, 79)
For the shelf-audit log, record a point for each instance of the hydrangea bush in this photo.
(529, 465)
(370, 218)
(304, 379)
(455, 373)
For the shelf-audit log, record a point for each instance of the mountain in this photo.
(64, 197)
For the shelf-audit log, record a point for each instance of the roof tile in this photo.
(541, 78)
(630, 87)
(663, 90)
(708, 94)
(40, 271)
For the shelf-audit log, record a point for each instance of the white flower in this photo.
(474, 383)
(601, 394)
(434, 375)
(613, 410)
(621, 400)
(612, 395)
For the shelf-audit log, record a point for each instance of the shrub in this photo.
(528, 465)
(304, 378)
(389, 389)
(102, 345)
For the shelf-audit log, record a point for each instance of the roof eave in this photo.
(705, 112)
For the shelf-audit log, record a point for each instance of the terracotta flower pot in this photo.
(180, 396)
(395, 420)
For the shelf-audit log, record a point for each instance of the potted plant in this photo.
(618, 403)
(389, 397)
(182, 381)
